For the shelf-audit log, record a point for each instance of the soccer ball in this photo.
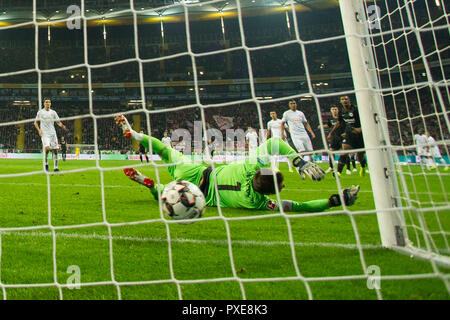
(183, 200)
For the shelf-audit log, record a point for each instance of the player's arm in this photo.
(308, 127)
(61, 125)
(283, 124)
(36, 125)
(349, 195)
(336, 126)
(357, 126)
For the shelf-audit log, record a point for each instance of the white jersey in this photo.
(47, 121)
(167, 141)
(275, 128)
(434, 149)
(252, 138)
(421, 140)
(181, 146)
(422, 144)
(295, 120)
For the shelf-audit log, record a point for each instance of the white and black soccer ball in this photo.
(183, 200)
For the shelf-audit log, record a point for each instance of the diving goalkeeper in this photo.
(240, 184)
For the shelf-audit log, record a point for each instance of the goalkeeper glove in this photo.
(349, 195)
(306, 168)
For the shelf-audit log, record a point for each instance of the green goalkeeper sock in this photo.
(167, 154)
(155, 188)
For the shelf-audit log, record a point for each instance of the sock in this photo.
(55, 161)
(348, 163)
(353, 162)
(137, 136)
(362, 159)
(154, 190)
(342, 162)
(331, 163)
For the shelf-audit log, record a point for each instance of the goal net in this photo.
(198, 68)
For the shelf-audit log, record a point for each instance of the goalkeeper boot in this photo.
(135, 175)
(122, 122)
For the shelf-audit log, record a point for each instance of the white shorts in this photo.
(422, 152)
(302, 143)
(50, 140)
(252, 148)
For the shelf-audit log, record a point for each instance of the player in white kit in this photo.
(47, 132)
(274, 130)
(434, 151)
(422, 148)
(166, 140)
(297, 123)
(252, 139)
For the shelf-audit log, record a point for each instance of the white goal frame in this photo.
(380, 157)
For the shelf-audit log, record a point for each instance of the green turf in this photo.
(203, 265)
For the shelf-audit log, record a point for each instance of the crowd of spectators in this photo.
(405, 112)
(404, 118)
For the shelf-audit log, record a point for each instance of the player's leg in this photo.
(46, 149)
(330, 161)
(182, 168)
(342, 162)
(431, 162)
(348, 171)
(307, 145)
(55, 160)
(353, 159)
(362, 160)
(46, 152)
(138, 177)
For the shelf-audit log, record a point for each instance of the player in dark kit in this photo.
(63, 148)
(142, 151)
(336, 139)
(349, 122)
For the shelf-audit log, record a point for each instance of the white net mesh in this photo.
(410, 60)
(177, 79)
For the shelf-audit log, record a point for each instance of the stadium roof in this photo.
(117, 11)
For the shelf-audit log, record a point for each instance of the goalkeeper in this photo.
(240, 184)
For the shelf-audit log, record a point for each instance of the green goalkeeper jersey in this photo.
(234, 184)
(234, 180)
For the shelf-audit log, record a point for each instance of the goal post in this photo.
(379, 155)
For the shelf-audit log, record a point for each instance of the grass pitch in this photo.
(51, 224)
